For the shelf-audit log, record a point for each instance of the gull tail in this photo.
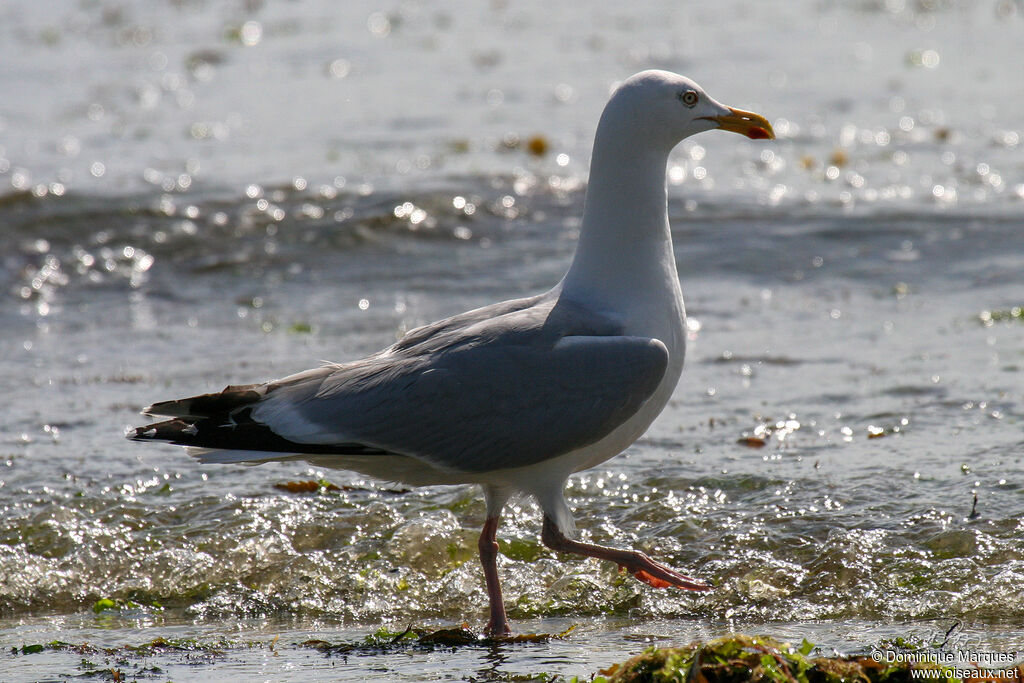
(219, 428)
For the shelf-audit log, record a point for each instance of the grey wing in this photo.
(505, 392)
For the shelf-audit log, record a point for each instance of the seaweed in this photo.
(155, 646)
(423, 639)
(993, 316)
(760, 659)
(310, 486)
(125, 605)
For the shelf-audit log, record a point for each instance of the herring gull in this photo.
(518, 395)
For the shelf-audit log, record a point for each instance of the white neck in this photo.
(625, 246)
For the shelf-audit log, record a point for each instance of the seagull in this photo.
(517, 396)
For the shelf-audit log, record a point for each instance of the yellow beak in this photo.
(747, 123)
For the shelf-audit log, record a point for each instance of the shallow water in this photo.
(853, 292)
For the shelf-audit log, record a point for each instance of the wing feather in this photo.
(506, 386)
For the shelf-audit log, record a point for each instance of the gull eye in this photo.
(689, 98)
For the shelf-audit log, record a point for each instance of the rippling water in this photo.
(196, 196)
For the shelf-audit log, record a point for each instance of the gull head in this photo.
(664, 108)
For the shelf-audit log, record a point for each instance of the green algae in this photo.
(123, 604)
(152, 647)
(383, 640)
(761, 659)
(990, 317)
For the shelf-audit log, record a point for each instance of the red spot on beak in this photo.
(758, 134)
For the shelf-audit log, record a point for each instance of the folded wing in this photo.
(498, 391)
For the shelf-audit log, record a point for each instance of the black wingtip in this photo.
(139, 433)
(243, 436)
(217, 404)
(179, 431)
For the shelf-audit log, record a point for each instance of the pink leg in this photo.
(498, 624)
(636, 563)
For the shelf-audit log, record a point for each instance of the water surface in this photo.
(282, 184)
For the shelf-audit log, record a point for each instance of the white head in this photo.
(661, 108)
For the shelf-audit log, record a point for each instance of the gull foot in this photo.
(666, 577)
(636, 563)
(497, 629)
